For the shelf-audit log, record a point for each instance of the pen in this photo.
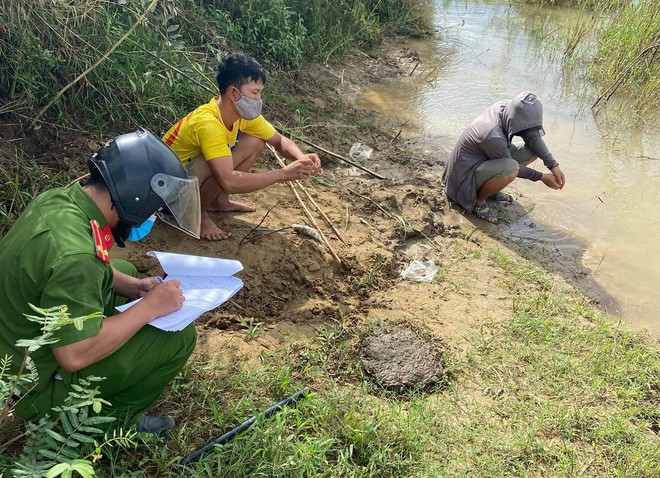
(159, 279)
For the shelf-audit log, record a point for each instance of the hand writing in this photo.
(164, 298)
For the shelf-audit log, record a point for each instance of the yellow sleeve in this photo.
(212, 140)
(258, 127)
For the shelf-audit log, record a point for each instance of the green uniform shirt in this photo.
(48, 258)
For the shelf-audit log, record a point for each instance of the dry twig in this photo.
(613, 87)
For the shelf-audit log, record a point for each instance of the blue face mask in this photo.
(142, 230)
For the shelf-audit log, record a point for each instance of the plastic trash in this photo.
(420, 271)
(359, 152)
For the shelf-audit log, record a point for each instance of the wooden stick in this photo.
(323, 215)
(98, 62)
(316, 206)
(334, 155)
(311, 218)
(302, 204)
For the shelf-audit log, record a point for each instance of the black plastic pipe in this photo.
(231, 434)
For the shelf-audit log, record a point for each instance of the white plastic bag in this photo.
(420, 271)
(359, 152)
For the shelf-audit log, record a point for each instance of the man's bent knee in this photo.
(187, 339)
(512, 175)
(124, 266)
(496, 169)
(248, 148)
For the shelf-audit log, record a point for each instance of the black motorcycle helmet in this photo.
(143, 175)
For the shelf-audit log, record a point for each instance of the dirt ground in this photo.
(292, 282)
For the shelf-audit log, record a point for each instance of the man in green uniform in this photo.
(57, 254)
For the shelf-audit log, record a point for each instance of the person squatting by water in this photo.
(485, 160)
(220, 141)
(57, 254)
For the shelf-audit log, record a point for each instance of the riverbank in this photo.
(538, 381)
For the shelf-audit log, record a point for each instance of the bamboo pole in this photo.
(311, 218)
(302, 204)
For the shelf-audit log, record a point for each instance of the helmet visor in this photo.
(181, 198)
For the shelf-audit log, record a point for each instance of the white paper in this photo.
(203, 291)
(183, 264)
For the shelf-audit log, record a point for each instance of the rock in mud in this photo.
(398, 359)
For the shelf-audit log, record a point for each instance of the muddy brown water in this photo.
(608, 213)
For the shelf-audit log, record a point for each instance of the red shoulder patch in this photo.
(101, 244)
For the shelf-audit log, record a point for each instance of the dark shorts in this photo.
(498, 168)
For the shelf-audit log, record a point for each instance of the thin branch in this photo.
(261, 222)
(98, 62)
(76, 180)
(613, 87)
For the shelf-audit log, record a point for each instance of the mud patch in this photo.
(398, 359)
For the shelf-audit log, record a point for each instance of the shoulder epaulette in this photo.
(103, 240)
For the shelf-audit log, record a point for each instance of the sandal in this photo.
(500, 197)
(487, 214)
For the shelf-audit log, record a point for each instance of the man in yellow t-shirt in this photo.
(221, 140)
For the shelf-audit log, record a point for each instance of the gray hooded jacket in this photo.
(489, 137)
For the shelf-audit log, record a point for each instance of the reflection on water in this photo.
(489, 51)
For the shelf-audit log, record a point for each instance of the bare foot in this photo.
(210, 232)
(225, 205)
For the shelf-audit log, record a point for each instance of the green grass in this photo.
(21, 179)
(165, 66)
(556, 390)
(251, 328)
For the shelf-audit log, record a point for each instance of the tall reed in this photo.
(621, 47)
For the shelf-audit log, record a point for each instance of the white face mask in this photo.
(248, 108)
